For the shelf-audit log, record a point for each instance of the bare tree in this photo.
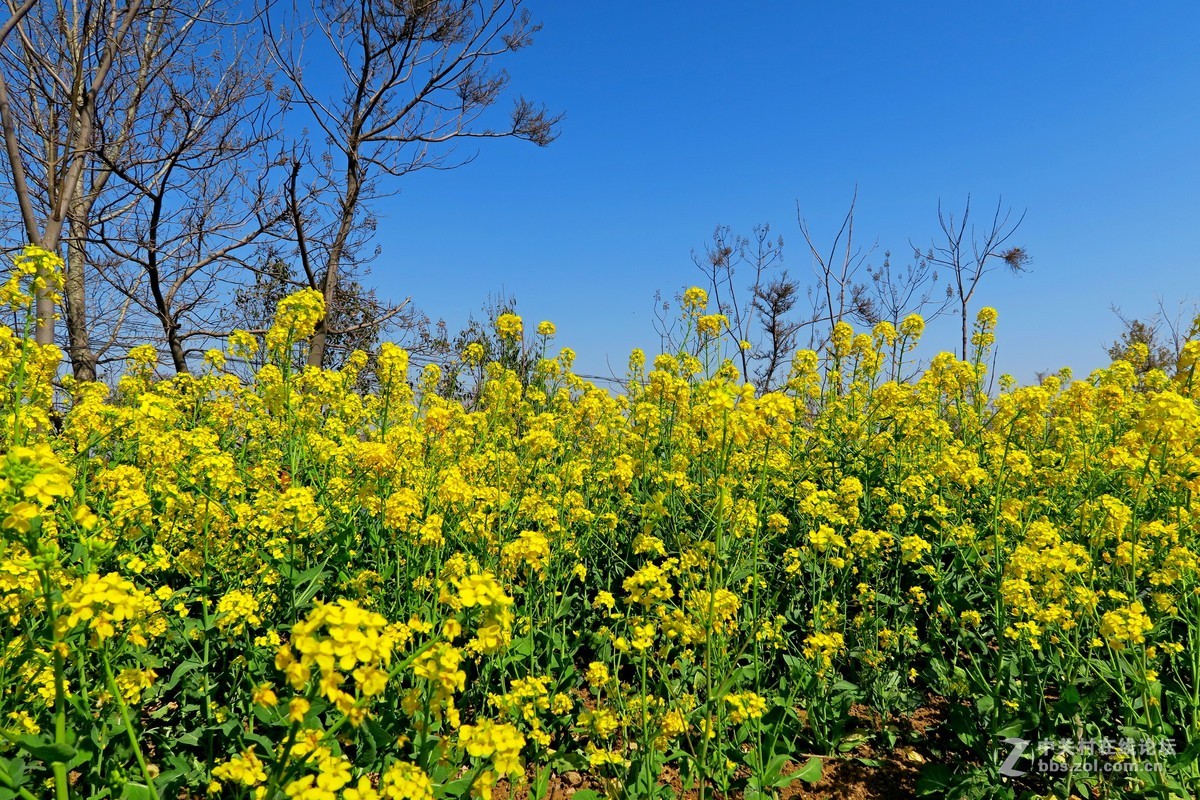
(774, 302)
(760, 305)
(362, 320)
(415, 77)
(1164, 333)
(900, 293)
(722, 261)
(47, 157)
(171, 86)
(839, 293)
(201, 184)
(969, 258)
(463, 377)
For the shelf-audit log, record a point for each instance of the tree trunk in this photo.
(162, 302)
(178, 357)
(319, 335)
(50, 240)
(79, 349)
(316, 350)
(964, 331)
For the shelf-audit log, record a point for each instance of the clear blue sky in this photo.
(681, 116)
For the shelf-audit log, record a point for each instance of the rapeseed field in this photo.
(270, 583)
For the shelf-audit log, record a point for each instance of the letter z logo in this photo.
(1018, 749)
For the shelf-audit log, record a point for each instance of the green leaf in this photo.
(181, 670)
(457, 788)
(162, 712)
(773, 776)
(810, 772)
(776, 764)
(12, 771)
(586, 794)
(851, 742)
(936, 779)
(541, 783)
(270, 717)
(82, 756)
(136, 791)
(1014, 728)
(46, 750)
(262, 741)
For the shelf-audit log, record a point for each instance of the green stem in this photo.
(281, 763)
(133, 737)
(61, 787)
(21, 791)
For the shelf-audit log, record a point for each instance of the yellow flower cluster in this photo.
(499, 741)
(333, 771)
(342, 639)
(246, 769)
(441, 666)
(132, 682)
(238, 610)
(295, 320)
(110, 604)
(823, 648)
(525, 699)
(530, 549)
(41, 270)
(1125, 626)
(509, 326)
(745, 706)
(403, 781)
(32, 479)
(648, 585)
(482, 591)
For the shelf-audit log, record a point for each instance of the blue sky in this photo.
(681, 116)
